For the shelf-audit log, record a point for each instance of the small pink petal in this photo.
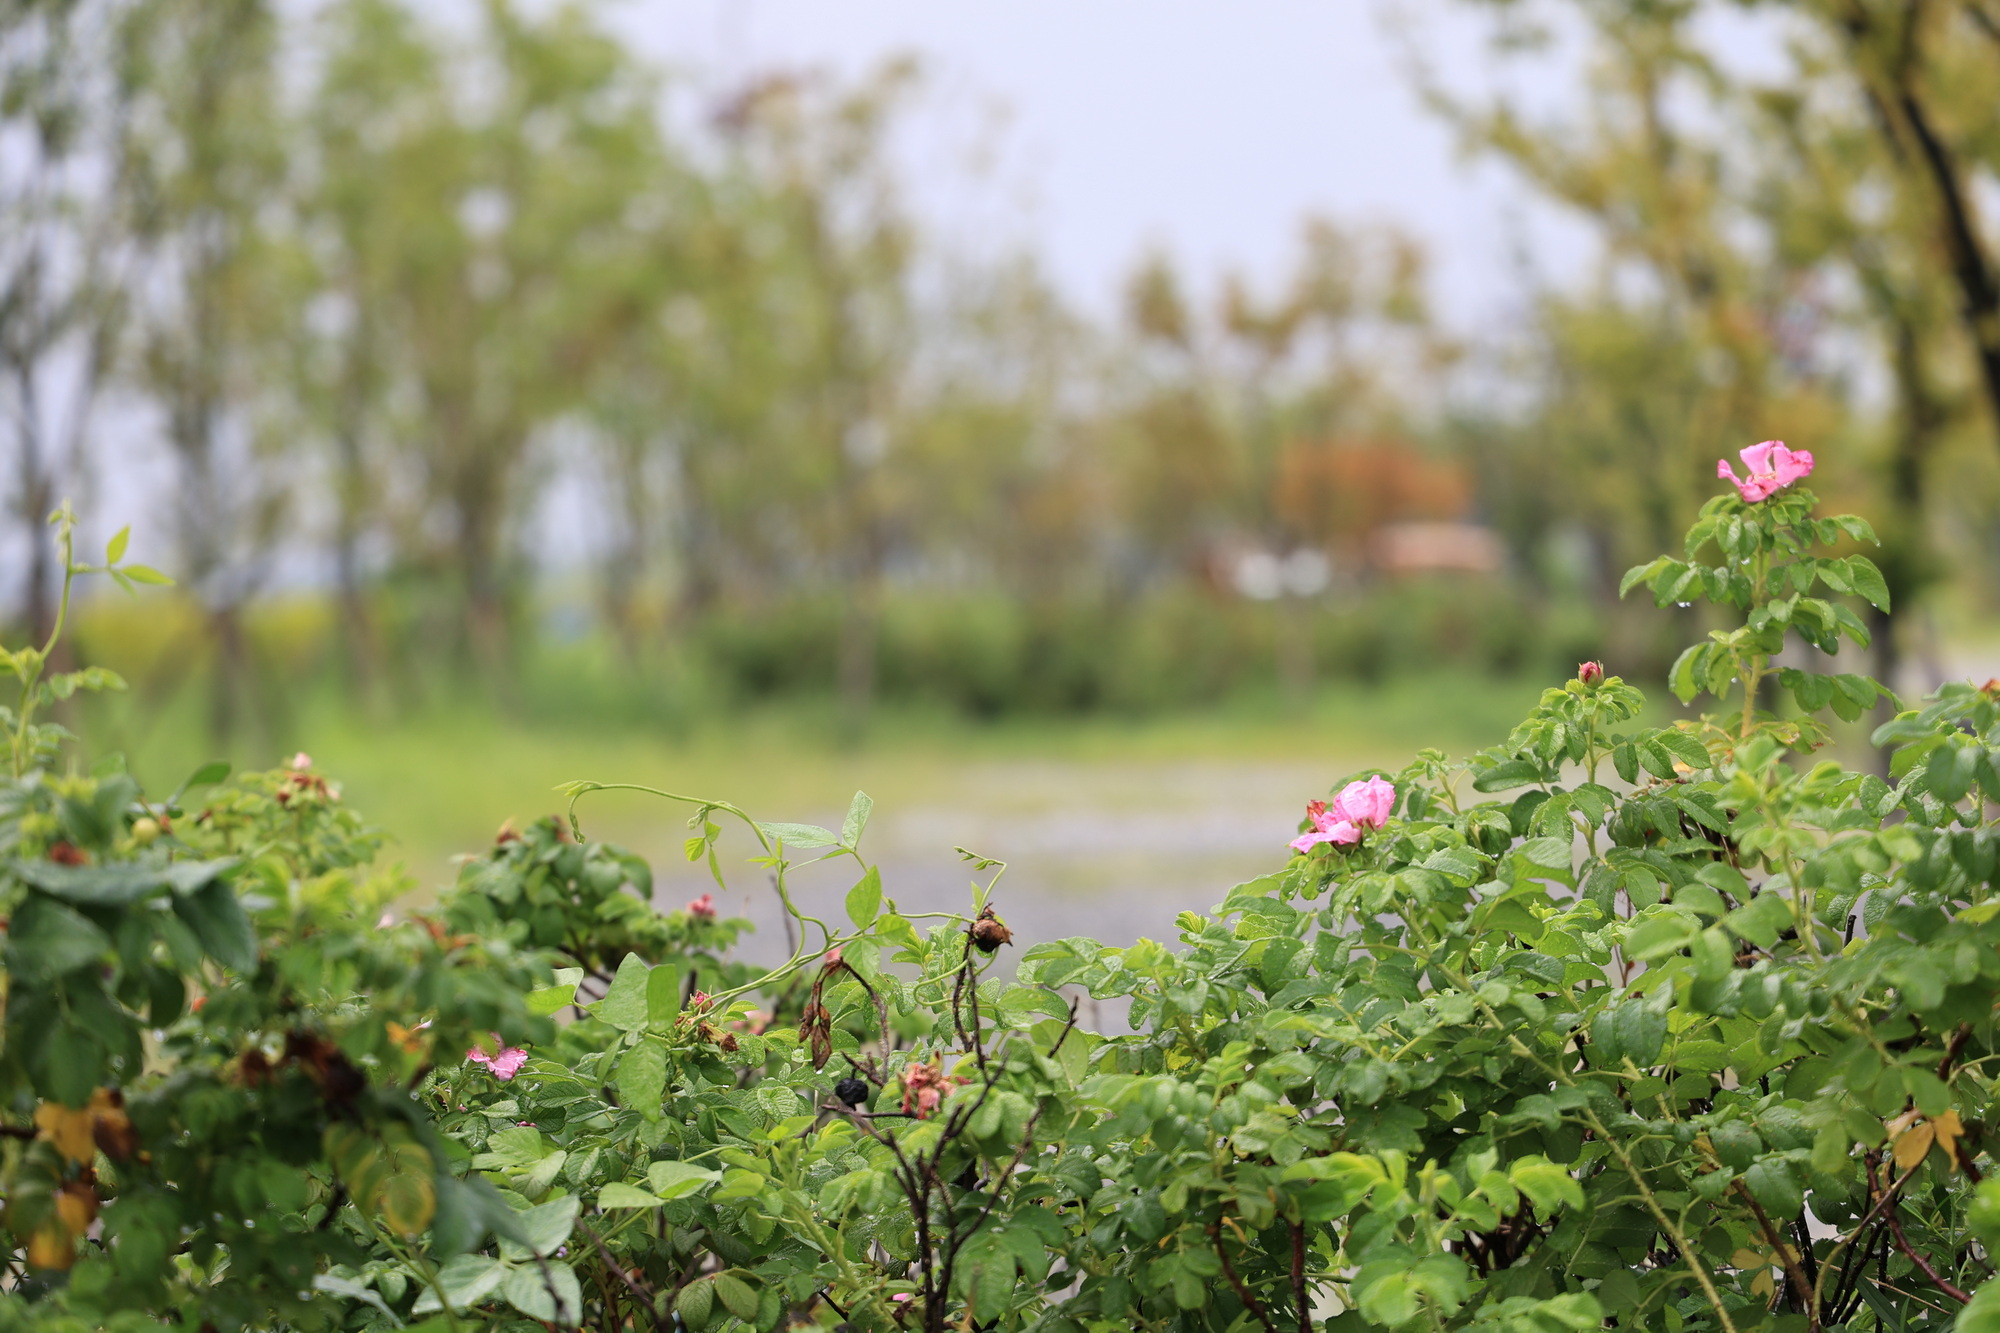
(1791, 465)
(1340, 834)
(508, 1063)
(1757, 458)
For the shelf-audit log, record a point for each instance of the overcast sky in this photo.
(1205, 127)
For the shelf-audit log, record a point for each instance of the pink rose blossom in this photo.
(504, 1065)
(1366, 804)
(1359, 806)
(1771, 467)
(702, 908)
(301, 761)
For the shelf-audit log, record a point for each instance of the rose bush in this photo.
(1621, 1023)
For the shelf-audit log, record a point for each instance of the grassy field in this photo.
(441, 781)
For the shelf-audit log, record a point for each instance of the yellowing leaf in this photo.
(1949, 1129)
(51, 1247)
(68, 1130)
(408, 1201)
(1912, 1144)
(76, 1210)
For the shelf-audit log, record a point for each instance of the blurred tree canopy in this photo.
(468, 331)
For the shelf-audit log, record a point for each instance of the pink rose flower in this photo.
(301, 762)
(1359, 806)
(1366, 804)
(1771, 466)
(1328, 826)
(702, 908)
(504, 1065)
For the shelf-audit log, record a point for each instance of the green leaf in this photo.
(1772, 1184)
(1684, 748)
(210, 773)
(46, 939)
(620, 1195)
(545, 1228)
(737, 1296)
(547, 1291)
(1547, 853)
(1509, 773)
(800, 835)
(1981, 1316)
(114, 551)
(642, 1079)
(220, 923)
(117, 885)
(624, 1005)
(466, 1279)
(67, 1062)
(864, 900)
(695, 1304)
(858, 811)
(1684, 679)
(551, 999)
(672, 1180)
(146, 574)
(1390, 1300)
(663, 996)
(1548, 1186)
(1640, 573)
(1868, 581)
(1628, 1030)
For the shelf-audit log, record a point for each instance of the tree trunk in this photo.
(37, 499)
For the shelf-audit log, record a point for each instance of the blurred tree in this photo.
(497, 268)
(381, 90)
(201, 171)
(60, 256)
(824, 310)
(1225, 400)
(1749, 209)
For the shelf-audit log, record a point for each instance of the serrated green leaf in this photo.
(1868, 581)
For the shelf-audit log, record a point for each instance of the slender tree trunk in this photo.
(362, 650)
(37, 499)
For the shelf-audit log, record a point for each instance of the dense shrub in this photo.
(1607, 1026)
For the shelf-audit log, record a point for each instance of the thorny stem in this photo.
(30, 664)
(1243, 1293)
(1803, 1289)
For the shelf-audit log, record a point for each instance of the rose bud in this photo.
(989, 932)
(851, 1091)
(1590, 673)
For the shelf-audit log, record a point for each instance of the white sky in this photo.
(1205, 127)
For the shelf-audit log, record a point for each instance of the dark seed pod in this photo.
(989, 932)
(851, 1091)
